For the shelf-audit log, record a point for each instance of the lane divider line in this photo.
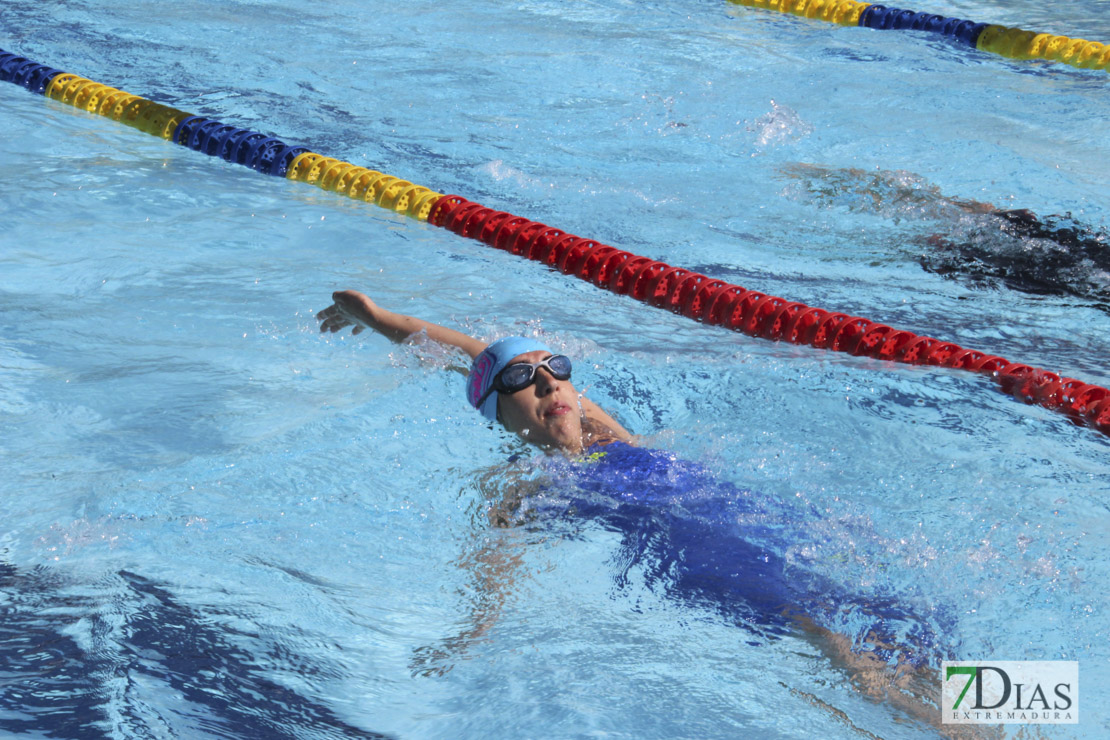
(1013, 43)
(262, 153)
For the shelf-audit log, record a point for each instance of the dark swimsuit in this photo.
(1046, 256)
(715, 545)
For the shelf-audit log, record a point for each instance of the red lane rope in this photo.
(760, 315)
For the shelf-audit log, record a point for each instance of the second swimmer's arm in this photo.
(354, 308)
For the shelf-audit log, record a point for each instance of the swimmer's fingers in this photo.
(327, 313)
(351, 308)
(333, 319)
(356, 307)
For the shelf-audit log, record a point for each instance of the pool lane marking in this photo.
(682, 291)
(265, 154)
(1013, 43)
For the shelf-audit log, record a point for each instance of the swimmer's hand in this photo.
(351, 308)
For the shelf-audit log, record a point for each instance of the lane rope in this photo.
(1013, 43)
(691, 294)
(262, 153)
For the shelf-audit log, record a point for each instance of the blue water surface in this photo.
(217, 523)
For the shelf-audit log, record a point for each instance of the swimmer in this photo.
(985, 246)
(701, 540)
(1051, 255)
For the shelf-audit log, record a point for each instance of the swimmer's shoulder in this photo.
(597, 421)
(597, 433)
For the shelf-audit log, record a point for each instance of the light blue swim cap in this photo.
(488, 364)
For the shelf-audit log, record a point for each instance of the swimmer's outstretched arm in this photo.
(352, 308)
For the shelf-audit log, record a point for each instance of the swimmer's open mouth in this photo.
(558, 409)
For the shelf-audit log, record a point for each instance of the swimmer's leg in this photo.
(912, 689)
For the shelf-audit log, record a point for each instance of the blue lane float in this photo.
(25, 73)
(253, 149)
(882, 18)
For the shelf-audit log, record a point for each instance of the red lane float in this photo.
(758, 314)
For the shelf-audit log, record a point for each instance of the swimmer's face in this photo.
(546, 412)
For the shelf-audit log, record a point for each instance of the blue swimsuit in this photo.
(712, 544)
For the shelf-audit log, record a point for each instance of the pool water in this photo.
(218, 523)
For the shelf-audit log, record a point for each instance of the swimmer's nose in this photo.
(546, 383)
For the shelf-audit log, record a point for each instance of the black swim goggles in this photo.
(520, 375)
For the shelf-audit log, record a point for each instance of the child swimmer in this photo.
(698, 536)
